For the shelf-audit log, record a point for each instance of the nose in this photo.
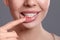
(29, 3)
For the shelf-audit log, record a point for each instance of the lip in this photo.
(29, 19)
(30, 11)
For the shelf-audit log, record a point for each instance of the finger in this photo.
(11, 24)
(8, 35)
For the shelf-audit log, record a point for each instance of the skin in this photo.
(16, 6)
(17, 29)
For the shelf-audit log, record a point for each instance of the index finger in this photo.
(12, 24)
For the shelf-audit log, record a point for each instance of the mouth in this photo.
(30, 15)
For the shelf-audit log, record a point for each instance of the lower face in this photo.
(35, 12)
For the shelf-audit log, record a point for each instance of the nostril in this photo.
(29, 4)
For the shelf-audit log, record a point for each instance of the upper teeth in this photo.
(30, 14)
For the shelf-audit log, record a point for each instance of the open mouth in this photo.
(30, 15)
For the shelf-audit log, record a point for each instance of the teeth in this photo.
(30, 14)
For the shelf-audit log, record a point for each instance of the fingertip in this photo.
(23, 19)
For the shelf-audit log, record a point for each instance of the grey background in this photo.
(51, 23)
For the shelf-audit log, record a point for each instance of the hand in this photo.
(5, 35)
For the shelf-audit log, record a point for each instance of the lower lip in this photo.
(30, 19)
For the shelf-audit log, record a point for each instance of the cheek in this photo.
(15, 4)
(44, 4)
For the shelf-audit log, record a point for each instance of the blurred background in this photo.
(51, 23)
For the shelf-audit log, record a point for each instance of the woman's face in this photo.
(34, 10)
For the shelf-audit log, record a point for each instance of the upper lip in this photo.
(30, 11)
